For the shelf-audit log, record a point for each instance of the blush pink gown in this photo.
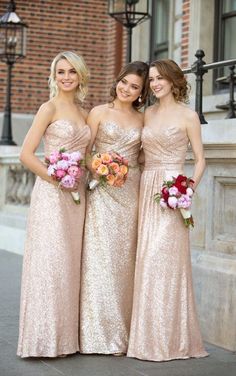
(164, 322)
(49, 310)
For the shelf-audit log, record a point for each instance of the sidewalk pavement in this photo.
(219, 363)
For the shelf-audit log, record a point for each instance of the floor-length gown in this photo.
(109, 249)
(164, 323)
(51, 269)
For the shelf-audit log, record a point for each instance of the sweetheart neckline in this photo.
(118, 126)
(71, 122)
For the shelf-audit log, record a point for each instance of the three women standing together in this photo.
(69, 304)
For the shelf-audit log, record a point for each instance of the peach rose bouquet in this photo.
(66, 168)
(110, 169)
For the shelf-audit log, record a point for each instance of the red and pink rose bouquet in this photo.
(66, 168)
(177, 194)
(110, 169)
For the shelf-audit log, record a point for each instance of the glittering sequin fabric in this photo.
(164, 322)
(109, 250)
(51, 268)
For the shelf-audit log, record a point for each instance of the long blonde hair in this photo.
(81, 68)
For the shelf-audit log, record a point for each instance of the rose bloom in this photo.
(165, 193)
(123, 169)
(172, 202)
(116, 156)
(115, 167)
(96, 163)
(60, 173)
(106, 158)
(68, 181)
(118, 182)
(110, 179)
(102, 170)
(181, 183)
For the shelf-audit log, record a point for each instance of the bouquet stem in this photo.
(76, 197)
(187, 216)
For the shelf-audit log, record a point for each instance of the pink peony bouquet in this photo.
(177, 194)
(110, 169)
(66, 168)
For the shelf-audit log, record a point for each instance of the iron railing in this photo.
(199, 68)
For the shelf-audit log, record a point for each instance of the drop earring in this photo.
(140, 99)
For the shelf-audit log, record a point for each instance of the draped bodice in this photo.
(164, 146)
(126, 142)
(66, 133)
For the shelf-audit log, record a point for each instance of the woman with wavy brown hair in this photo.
(164, 323)
(110, 236)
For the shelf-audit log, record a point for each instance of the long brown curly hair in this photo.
(169, 70)
(140, 69)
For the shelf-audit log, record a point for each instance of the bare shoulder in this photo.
(99, 112)
(47, 109)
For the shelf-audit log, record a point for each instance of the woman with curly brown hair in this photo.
(164, 323)
(110, 237)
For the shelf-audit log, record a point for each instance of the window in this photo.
(225, 31)
(159, 29)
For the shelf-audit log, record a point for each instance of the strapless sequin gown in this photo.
(109, 250)
(51, 269)
(164, 322)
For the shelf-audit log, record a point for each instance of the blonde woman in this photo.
(51, 269)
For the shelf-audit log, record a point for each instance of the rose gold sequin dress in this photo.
(164, 322)
(110, 242)
(51, 268)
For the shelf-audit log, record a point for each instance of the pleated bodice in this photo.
(164, 146)
(126, 142)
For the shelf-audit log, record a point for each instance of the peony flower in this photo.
(65, 156)
(184, 202)
(173, 202)
(75, 156)
(74, 171)
(59, 173)
(173, 191)
(189, 192)
(51, 169)
(63, 164)
(102, 170)
(54, 157)
(68, 181)
(163, 204)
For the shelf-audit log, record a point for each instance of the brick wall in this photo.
(185, 33)
(82, 26)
